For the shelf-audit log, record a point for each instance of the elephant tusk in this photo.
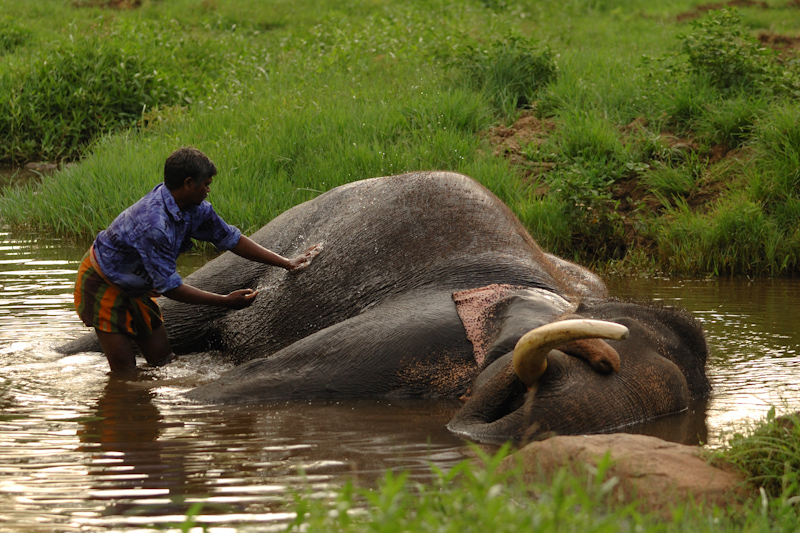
(530, 352)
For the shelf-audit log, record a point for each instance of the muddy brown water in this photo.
(80, 451)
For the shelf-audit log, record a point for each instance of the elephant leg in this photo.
(85, 343)
(412, 346)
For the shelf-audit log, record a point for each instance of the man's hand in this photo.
(240, 299)
(250, 249)
(303, 260)
(192, 295)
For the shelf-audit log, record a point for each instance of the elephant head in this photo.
(555, 381)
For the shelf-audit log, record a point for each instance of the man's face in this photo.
(199, 192)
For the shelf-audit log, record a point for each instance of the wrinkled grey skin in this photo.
(374, 315)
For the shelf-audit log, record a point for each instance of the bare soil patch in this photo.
(633, 198)
(515, 142)
(525, 135)
(700, 10)
(111, 4)
(783, 44)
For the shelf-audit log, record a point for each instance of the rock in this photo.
(657, 473)
(42, 167)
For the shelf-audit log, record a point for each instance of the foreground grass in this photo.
(476, 495)
(470, 497)
(679, 161)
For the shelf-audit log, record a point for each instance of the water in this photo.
(80, 451)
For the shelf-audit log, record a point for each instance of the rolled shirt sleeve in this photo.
(216, 231)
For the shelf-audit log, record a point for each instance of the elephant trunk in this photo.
(530, 352)
(493, 413)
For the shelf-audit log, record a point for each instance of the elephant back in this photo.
(383, 237)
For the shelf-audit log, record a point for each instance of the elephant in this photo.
(429, 286)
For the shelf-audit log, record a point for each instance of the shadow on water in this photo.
(81, 451)
(689, 427)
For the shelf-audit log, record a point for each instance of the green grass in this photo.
(510, 71)
(778, 146)
(742, 238)
(306, 126)
(732, 121)
(668, 181)
(303, 96)
(769, 456)
(469, 497)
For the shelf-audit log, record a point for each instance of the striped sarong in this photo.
(103, 305)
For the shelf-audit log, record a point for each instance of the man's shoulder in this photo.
(148, 201)
(149, 213)
(202, 214)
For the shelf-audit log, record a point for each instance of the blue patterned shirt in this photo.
(138, 251)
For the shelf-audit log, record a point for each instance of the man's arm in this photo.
(242, 298)
(192, 295)
(250, 249)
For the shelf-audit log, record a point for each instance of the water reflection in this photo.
(81, 451)
(35, 288)
(689, 427)
(126, 460)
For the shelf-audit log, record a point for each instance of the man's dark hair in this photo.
(187, 162)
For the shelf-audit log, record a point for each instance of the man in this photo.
(134, 260)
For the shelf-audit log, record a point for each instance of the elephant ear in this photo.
(496, 316)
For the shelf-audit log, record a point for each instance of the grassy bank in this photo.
(644, 136)
(476, 494)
